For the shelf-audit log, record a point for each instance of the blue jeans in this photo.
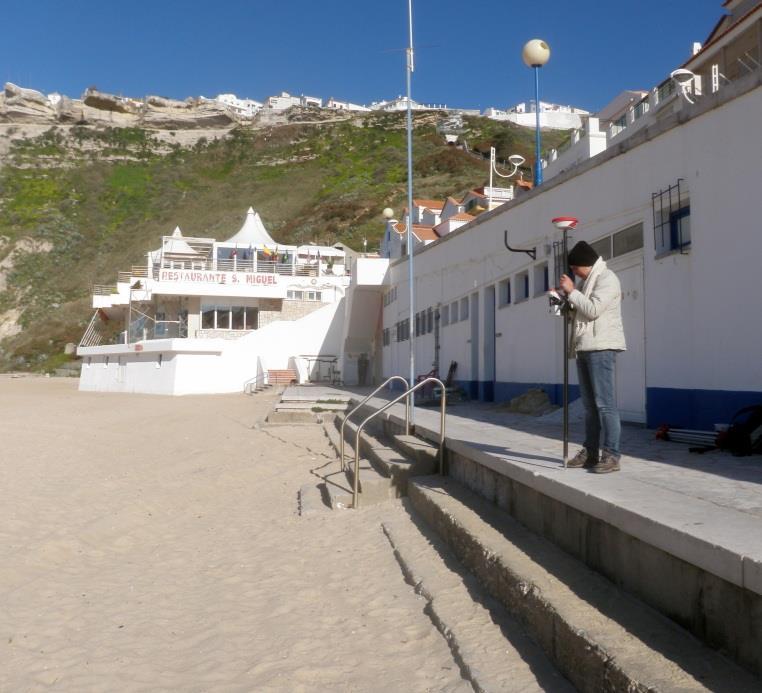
(596, 384)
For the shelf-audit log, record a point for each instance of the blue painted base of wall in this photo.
(507, 391)
(488, 391)
(696, 409)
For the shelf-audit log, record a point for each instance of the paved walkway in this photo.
(706, 509)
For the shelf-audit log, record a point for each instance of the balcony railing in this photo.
(305, 269)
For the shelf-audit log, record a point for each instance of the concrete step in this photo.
(310, 406)
(599, 637)
(491, 649)
(390, 462)
(374, 486)
(293, 417)
(425, 455)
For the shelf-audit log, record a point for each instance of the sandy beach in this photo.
(154, 543)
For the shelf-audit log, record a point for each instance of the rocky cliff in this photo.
(27, 106)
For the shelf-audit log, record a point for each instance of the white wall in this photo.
(206, 366)
(701, 326)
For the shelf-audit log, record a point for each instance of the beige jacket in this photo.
(597, 314)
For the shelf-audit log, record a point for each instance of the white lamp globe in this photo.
(388, 213)
(536, 53)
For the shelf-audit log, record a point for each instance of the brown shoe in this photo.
(582, 459)
(608, 463)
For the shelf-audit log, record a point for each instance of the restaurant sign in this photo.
(223, 278)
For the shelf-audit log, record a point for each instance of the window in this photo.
(229, 318)
(445, 315)
(454, 312)
(627, 240)
(207, 317)
(252, 318)
(387, 339)
(541, 279)
(429, 320)
(223, 318)
(672, 219)
(464, 308)
(522, 286)
(603, 247)
(504, 292)
(238, 318)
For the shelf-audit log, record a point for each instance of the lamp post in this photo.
(564, 224)
(535, 54)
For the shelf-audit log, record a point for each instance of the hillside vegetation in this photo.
(79, 203)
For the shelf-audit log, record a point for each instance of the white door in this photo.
(631, 364)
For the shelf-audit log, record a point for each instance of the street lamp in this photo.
(514, 160)
(564, 225)
(535, 54)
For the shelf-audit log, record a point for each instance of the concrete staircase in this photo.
(259, 387)
(599, 637)
(385, 469)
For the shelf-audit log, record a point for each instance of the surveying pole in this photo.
(564, 224)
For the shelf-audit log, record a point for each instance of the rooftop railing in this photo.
(315, 268)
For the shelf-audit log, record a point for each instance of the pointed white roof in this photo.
(252, 232)
(175, 245)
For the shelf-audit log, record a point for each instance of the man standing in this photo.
(596, 337)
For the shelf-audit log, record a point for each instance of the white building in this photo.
(204, 316)
(243, 108)
(553, 116)
(400, 104)
(336, 105)
(283, 101)
(731, 51)
(674, 208)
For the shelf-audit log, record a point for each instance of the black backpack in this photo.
(744, 435)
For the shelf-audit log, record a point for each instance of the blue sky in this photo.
(468, 53)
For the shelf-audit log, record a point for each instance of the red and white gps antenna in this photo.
(565, 223)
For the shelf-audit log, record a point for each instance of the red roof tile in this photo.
(429, 204)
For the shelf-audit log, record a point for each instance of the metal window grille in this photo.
(671, 216)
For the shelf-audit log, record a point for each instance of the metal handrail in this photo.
(247, 386)
(380, 387)
(356, 485)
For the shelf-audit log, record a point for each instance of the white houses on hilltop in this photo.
(336, 105)
(284, 101)
(552, 115)
(243, 108)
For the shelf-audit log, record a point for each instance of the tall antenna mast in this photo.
(410, 68)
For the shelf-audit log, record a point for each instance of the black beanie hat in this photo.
(582, 255)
